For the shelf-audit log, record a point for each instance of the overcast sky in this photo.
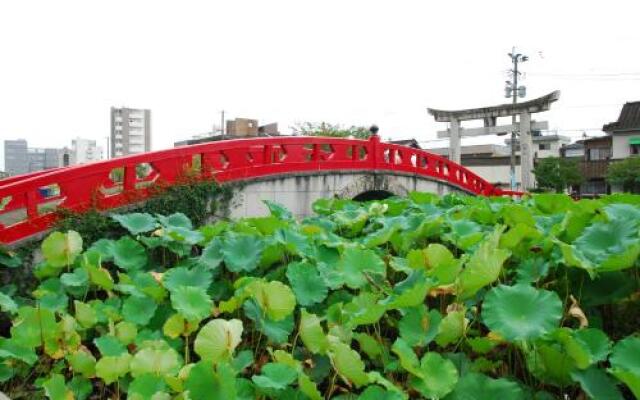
(64, 63)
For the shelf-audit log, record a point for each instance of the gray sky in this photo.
(64, 63)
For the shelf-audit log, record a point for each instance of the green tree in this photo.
(625, 173)
(557, 174)
(332, 130)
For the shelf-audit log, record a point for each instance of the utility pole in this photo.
(222, 123)
(512, 90)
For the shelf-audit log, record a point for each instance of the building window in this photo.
(635, 149)
(544, 146)
(599, 154)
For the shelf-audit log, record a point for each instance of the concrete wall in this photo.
(620, 147)
(496, 174)
(298, 192)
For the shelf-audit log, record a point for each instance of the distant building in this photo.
(490, 161)
(130, 131)
(16, 160)
(39, 159)
(241, 127)
(238, 128)
(625, 132)
(544, 145)
(85, 151)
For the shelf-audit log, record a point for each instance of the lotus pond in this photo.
(429, 297)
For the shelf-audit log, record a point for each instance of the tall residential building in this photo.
(16, 161)
(85, 151)
(130, 131)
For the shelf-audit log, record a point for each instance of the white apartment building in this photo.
(130, 131)
(85, 151)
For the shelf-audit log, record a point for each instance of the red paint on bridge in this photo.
(30, 200)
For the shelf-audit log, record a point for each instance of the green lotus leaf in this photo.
(441, 263)
(212, 254)
(174, 326)
(521, 312)
(312, 334)
(112, 368)
(276, 331)
(484, 266)
(11, 348)
(55, 388)
(472, 384)
(363, 309)
(418, 327)
(367, 343)
(128, 254)
(126, 332)
(7, 304)
(78, 279)
(356, 264)
(191, 302)
(33, 325)
(623, 212)
(241, 252)
(275, 298)
(146, 386)
(175, 220)
(81, 387)
(482, 345)
(516, 214)
(464, 233)
(348, 364)
(378, 393)
(393, 392)
(183, 236)
(278, 210)
(275, 376)
(550, 363)
(85, 315)
(597, 384)
(218, 339)
(451, 328)
(158, 360)
(532, 269)
(138, 309)
(409, 292)
(205, 382)
(9, 259)
(439, 376)
(294, 242)
(60, 249)
(100, 277)
(109, 345)
(625, 363)
(552, 203)
(308, 387)
(136, 223)
(103, 248)
(408, 359)
(604, 246)
(306, 282)
(585, 346)
(82, 362)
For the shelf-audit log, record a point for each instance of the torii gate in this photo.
(489, 116)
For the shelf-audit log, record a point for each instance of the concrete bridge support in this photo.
(298, 192)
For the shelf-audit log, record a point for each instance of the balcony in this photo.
(594, 168)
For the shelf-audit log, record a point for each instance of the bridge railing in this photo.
(28, 205)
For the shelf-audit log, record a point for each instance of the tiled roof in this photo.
(407, 142)
(629, 119)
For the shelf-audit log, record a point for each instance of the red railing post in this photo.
(374, 144)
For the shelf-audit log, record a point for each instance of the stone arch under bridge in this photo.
(298, 192)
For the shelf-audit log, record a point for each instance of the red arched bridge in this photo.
(28, 203)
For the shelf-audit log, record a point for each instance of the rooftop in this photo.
(629, 119)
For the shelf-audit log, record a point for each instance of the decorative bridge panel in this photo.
(28, 203)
